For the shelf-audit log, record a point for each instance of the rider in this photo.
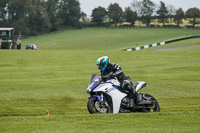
(109, 71)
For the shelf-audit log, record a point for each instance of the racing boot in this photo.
(130, 89)
(138, 99)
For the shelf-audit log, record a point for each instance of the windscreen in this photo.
(92, 77)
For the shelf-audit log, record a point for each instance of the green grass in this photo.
(32, 82)
(101, 39)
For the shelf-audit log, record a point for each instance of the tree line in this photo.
(144, 11)
(31, 17)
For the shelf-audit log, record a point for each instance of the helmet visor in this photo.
(99, 66)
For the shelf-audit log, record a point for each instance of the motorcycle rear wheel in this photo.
(93, 106)
(156, 108)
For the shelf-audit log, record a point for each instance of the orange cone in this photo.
(47, 113)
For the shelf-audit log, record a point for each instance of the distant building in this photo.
(7, 40)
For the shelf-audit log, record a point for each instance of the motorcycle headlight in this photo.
(89, 88)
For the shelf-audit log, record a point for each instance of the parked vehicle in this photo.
(108, 97)
(32, 47)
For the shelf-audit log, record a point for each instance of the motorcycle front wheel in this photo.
(93, 106)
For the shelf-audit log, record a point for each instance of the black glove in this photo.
(108, 76)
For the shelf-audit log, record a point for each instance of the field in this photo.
(55, 78)
(105, 38)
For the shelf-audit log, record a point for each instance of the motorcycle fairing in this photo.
(97, 96)
(96, 83)
(114, 93)
(140, 85)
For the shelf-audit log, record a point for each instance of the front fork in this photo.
(101, 100)
(103, 103)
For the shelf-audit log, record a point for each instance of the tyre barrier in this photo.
(161, 43)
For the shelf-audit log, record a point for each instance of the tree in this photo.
(52, 7)
(83, 17)
(98, 15)
(31, 17)
(115, 13)
(193, 13)
(69, 12)
(179, 16)
(137, 6)
(130, 16)
(171, 12)
(162, 12)
(147, 11)
(38, 19)
(16, 14)
(14, 10)
(155, 16)
(2, 9)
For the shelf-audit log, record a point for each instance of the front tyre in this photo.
(94, 107)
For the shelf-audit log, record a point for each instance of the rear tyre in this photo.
(156, 107)
(93, 106)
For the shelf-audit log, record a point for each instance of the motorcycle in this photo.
(109, 97)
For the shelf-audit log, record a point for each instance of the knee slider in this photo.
(129, 87)
(126, 84)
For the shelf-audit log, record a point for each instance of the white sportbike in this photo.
(109, 97)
